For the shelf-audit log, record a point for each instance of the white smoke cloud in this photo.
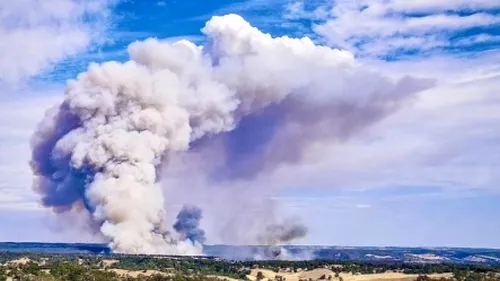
(102, 146)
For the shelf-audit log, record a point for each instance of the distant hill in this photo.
(374, 254)
(58, 248)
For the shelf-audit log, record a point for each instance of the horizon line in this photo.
(286, 245)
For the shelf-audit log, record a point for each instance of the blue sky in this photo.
(425, 176)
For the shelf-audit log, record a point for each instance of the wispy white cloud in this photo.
(363, 206)
(477, 39)
(378, 28)
(264, 14)
(250, 5)
(446, 67)
(197, 39)
(442, 5)
(19, 115)
(36, 34)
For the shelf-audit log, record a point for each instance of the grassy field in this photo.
(136, 268)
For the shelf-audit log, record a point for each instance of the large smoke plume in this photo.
(246, 100)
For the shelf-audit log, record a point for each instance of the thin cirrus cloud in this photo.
(36, 36)
(396, 27)
(39, 34)
(19, 114)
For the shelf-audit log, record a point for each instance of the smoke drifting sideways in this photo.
(100, 149)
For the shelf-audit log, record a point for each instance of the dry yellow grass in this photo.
(315, 274)
(21, 261)
(222, 278)
(132, 273)
(108, 263)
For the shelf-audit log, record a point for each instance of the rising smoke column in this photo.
(102, 146)
(278, 234)
(286, 232)
(188, 224)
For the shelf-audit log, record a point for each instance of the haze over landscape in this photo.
(159, 126)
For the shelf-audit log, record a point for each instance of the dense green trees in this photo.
(3, 275)
(186, 266)
(46, 267)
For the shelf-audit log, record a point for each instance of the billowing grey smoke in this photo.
(246, 100)
(188, 224)
(277, 234)
(283, 233)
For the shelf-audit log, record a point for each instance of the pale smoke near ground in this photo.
(281, 253)
(100, 149)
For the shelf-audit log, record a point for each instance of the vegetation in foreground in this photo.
(14, 266)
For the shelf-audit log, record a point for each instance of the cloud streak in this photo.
(38, 34)
(392, 28)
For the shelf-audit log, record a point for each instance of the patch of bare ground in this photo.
(108, 263)
(223, 278)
